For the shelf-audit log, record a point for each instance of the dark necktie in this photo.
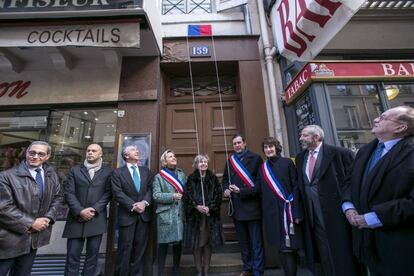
(376, 156)
(39, 181)
(136, 178)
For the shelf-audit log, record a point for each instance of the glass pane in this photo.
(400, 94)
(304, 112)
(354, 108)
(203, 86)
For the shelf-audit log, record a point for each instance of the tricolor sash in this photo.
(275, 186)
(241, 171)
(173, 180)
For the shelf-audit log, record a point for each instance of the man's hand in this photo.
(297, 220)
(203, 209)
(360, 221)
(87, 214)
(227, 193)
(139, 207)
(177, 196)
(350, 216)
(40, 224)
(233, 188)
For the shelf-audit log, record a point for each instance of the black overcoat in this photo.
(81, 192)
(335, 164)
(389, 192)
(213, 194)
(273, 208)
(246, 204)
(125, 193)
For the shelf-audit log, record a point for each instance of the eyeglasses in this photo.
(383, 118)
(33, 153)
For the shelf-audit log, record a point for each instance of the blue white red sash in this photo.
(275, 186)
(173, 180)
(241, 171)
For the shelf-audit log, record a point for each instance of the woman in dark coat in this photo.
(281, 205)
(202, 200)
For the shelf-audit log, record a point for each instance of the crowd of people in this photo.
(353, 216)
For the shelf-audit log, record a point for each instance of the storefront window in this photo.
(400, 94)
(354, 109)
(304, 112)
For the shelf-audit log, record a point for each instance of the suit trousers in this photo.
(74, 248)
(249, 233)
(18, 266)
(132, 242)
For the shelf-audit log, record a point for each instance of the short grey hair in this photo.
(43, 143)
(126, 150)
(407, 116)
(198, 159)
(315, 130)
(163, 158)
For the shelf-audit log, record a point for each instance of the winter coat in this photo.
(20, 206)
(81, 192)
(213, 194)
(169, 212)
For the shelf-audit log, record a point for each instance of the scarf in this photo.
(93, 168)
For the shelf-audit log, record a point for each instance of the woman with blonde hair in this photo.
(168, 190)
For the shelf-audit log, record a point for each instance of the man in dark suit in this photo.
(131, 188)
(379, 199)
(239, 180)
(87, 192)
(321, 173)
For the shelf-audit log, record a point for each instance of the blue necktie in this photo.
(39, 181)
(135, 177)
(376, 156)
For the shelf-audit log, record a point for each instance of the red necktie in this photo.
(312, 161)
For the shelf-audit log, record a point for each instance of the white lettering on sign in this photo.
(302, 28)
(398, 70)
(200, 51)
(297, 84)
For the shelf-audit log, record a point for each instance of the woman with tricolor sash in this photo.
(281, 204)
(168, 190)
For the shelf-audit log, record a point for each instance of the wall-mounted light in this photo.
(392, 91)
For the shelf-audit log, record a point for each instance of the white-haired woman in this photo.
(202, 200)
(168, 189)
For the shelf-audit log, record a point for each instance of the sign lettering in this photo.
(62, 5)
(15, 89)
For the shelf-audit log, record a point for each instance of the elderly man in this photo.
(87, 192)
(30, 195)
(131, 188)
(379, 199)
(321, 174)
(239, 183)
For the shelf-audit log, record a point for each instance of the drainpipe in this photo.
(270, 52)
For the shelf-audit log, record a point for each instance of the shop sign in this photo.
(96, 35)
(348, 71)
(7, 6)
(16, 89)
(302, 28)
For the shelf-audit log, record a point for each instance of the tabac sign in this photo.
(65, 5)
(302, 28)
(329, 71)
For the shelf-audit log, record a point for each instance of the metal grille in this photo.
(388, 4)
(186, 7)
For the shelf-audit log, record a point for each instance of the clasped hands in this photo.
(356, 219)
(232, 189)
(40, 224)
(203, 209)
(87, 214)
(139, 207)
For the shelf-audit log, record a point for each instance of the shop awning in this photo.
(332, 71)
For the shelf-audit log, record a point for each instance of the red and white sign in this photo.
(348, 71)
(302, 28)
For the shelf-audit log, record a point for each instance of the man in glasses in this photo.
(379, 199)
(30, 195)
(87, 192)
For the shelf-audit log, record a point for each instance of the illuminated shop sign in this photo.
(65, 5)
(329, 71)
